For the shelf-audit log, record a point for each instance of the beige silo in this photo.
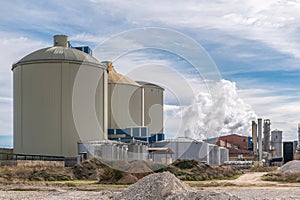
(43, 88)
(153, 102)
(124, 100)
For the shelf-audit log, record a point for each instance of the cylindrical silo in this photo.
(43, 99)
(153, 107)
(124, 100)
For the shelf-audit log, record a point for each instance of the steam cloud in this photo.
(219, 112)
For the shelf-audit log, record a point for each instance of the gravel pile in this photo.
(166, 186)
(290, 167)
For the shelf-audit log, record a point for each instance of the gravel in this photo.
(165, 185)
(290, 167)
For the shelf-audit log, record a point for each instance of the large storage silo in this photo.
(43, 88)
(124, 101)
(153, 107)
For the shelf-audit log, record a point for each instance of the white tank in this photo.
(43, 89)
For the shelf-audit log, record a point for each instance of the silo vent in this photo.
(60, 41)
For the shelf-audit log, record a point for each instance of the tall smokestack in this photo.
(267, 129)
(259, 139)
(254, 137)
(298, 137)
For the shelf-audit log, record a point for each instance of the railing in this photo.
(11, 156)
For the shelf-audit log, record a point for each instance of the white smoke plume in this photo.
(215, 113)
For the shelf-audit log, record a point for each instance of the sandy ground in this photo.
(247, 186)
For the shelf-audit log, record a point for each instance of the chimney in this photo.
(254, 137)
(259, 139)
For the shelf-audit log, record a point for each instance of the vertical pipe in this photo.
(260, 139)
(143, 106)
(254, 137)
(298, 137)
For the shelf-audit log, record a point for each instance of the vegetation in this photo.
(192, 170)
(94, 169)
(263, 169)
(282, 177)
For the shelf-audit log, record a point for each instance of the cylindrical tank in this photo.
(124, 100)
(153, 107)
(43, 88)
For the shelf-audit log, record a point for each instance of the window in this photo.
(136, 132)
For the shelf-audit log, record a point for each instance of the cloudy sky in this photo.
(254, 44)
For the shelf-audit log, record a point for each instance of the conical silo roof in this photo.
(117, 78)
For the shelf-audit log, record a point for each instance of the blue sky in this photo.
(253, 43)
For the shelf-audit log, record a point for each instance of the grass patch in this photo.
(263, 169)
(282, 177)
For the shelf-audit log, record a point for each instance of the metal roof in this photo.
(179, 139)
(142, 83)
(58, 53)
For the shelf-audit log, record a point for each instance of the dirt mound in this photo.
(290, 167)
(193, 170)
(138, 167)
(165, 186)
(114, 172)
(127, 179)
(89, 169)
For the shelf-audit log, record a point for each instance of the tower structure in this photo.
(259, 135)
(298, 148)
(267, 128)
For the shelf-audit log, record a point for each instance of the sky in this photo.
(254, 44)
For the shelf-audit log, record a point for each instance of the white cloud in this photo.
(270, 22)
(282, 110)
(13, 48)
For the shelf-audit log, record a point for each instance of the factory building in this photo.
(43, 85)
(237, 145)
(129, 113)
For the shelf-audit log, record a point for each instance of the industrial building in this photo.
(129, 113)
(43, 89)
(237, 145)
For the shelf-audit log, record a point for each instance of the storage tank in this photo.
(276, 143)
(186, 148)
(43, 88)
(153, 107)
(124, 100)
